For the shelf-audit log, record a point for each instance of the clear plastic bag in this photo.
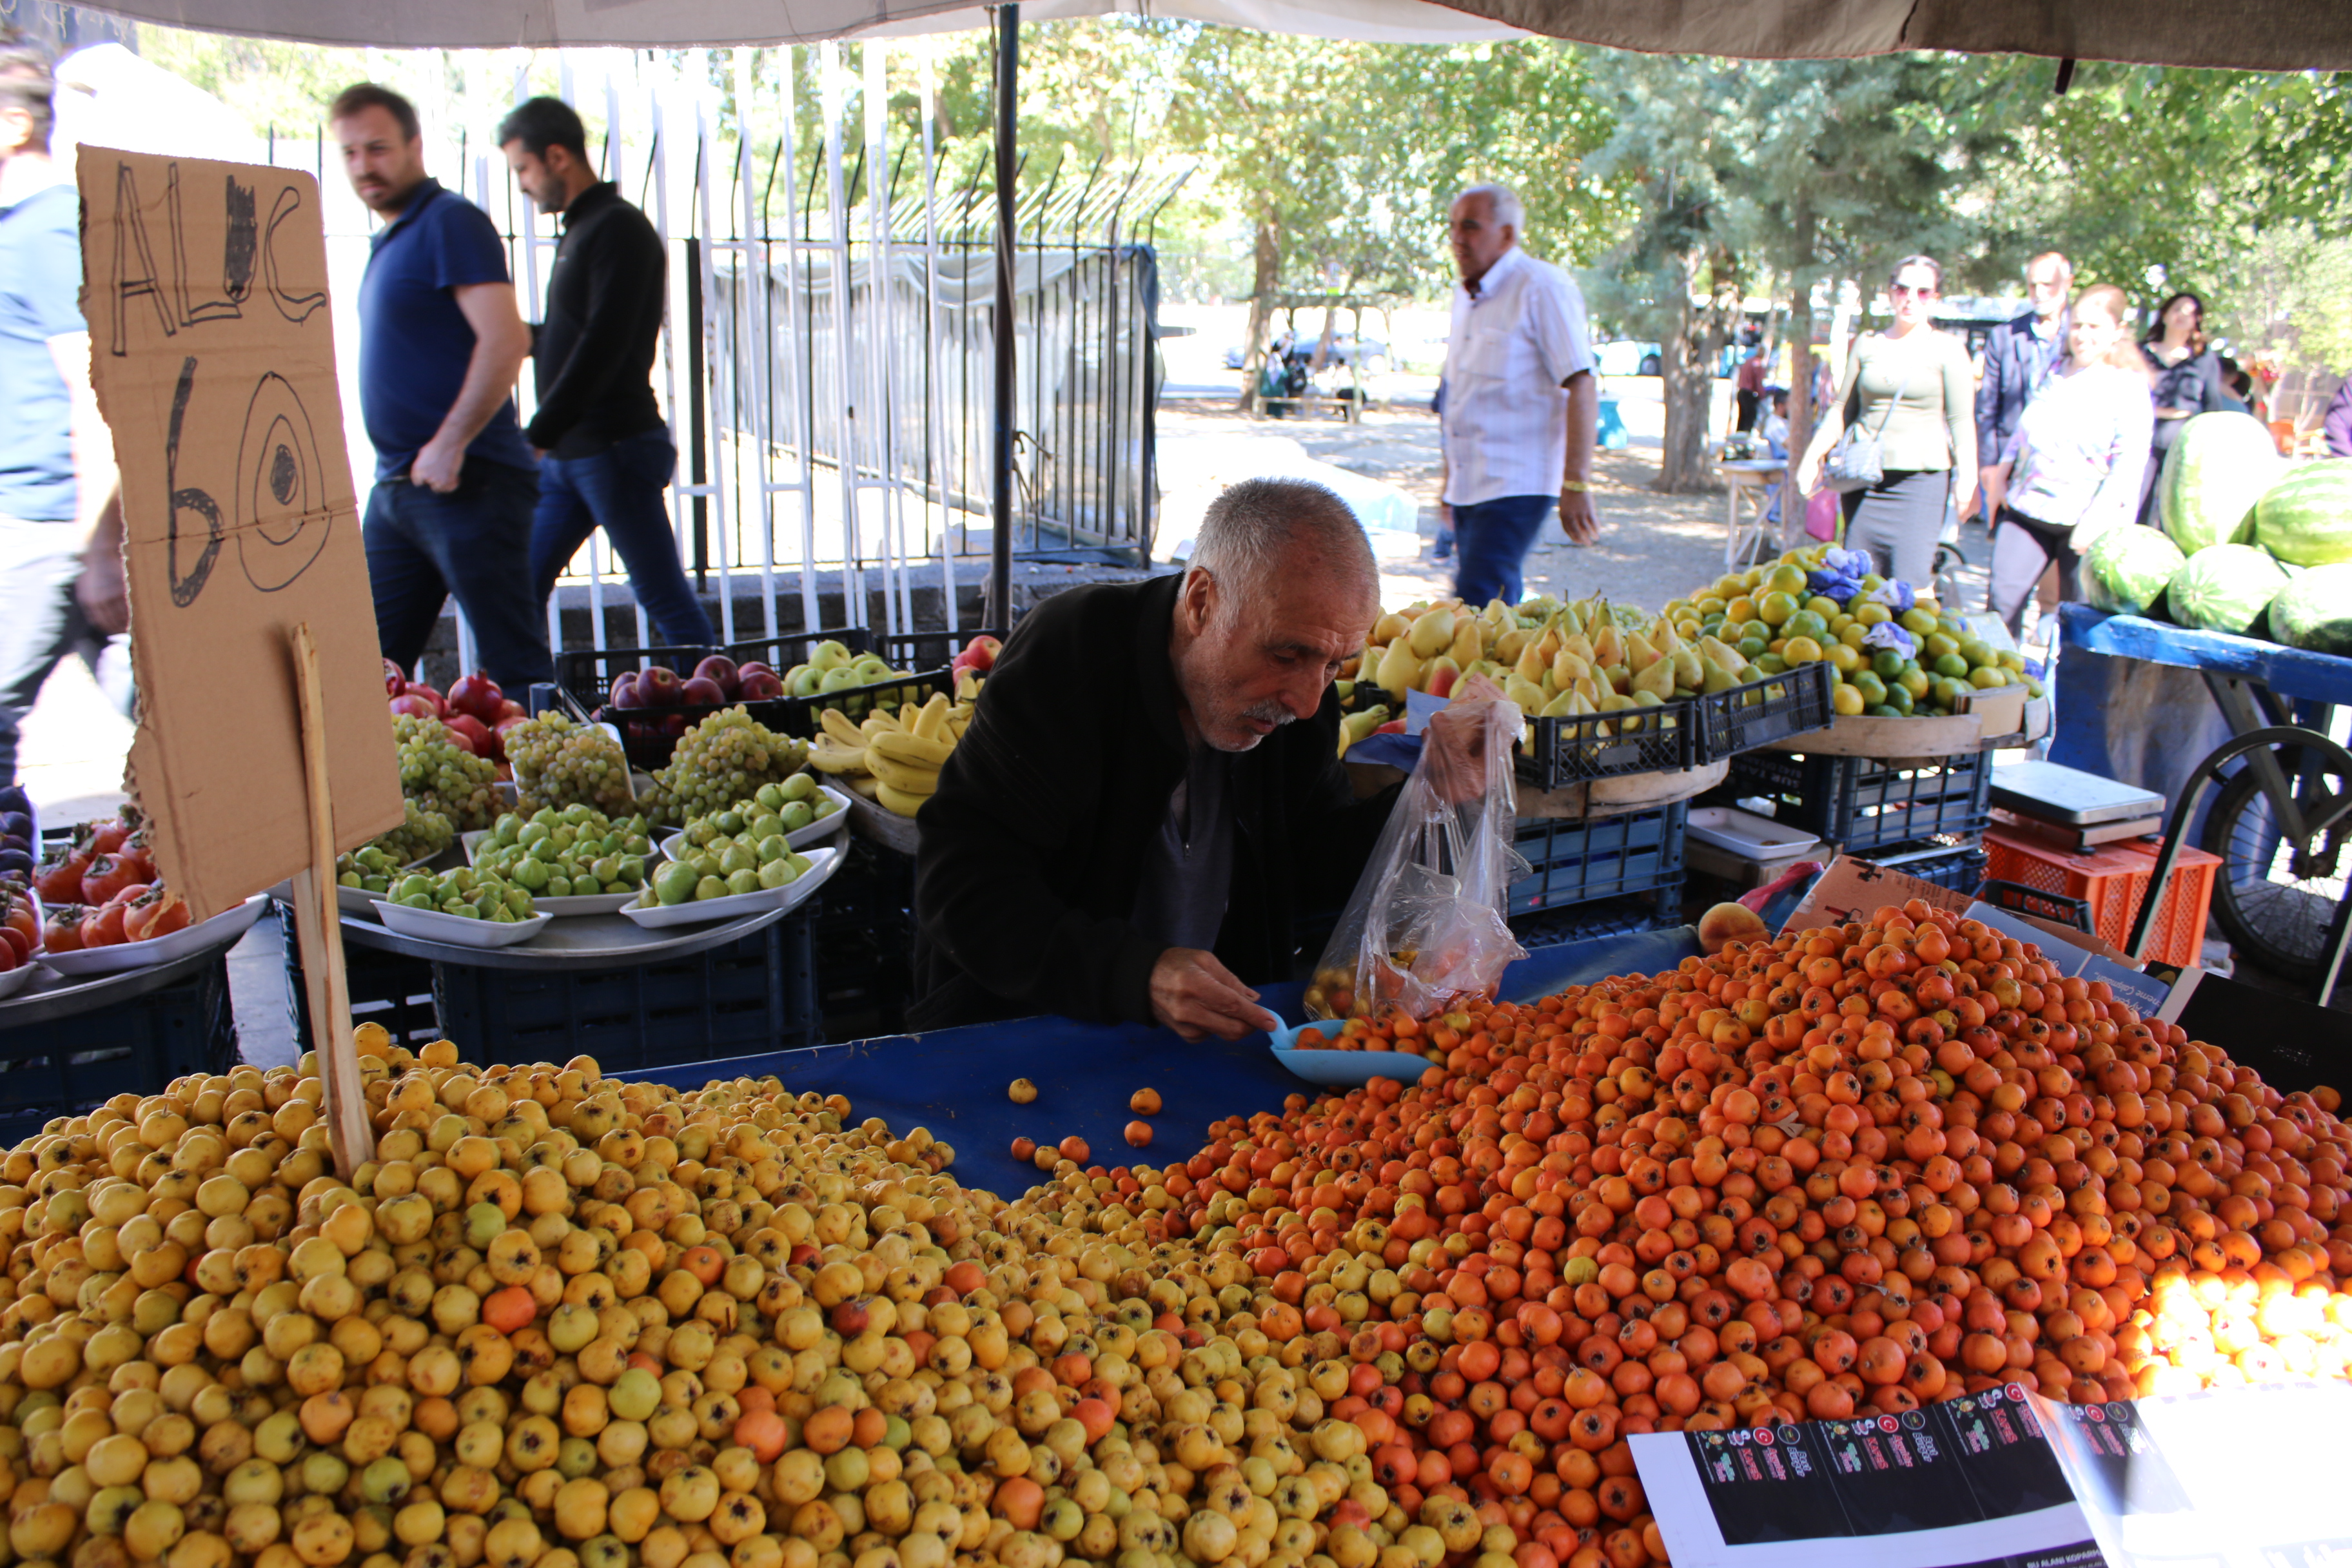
(1424, 926)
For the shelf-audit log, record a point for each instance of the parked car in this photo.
(1628, 358)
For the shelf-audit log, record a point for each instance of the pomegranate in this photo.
(476, 736)
(414, 706)
(418, 689)
(395, 679)
(510, 708)
(478, 695)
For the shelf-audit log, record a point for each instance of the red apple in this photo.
(760, 686)
(625, 691)
(701, 691)
(750, 666)
(720, 671)
(657, 686)
(979, 653)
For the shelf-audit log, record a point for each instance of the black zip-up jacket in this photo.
(594, 356)
(1036, 843)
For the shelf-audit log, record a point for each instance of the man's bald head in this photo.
(1281, 590)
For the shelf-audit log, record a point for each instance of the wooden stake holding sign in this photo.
(205, 287)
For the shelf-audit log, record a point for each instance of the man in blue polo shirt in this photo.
(60, 531)
(440, 342)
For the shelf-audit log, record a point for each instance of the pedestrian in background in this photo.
(2336, 426)
(60, 519)
(1910, 388)
(440, 343)
(1750, 390)
(1520, 400)
(2188, 382)
(605, 454)
(2017, 355)
(2071, 468)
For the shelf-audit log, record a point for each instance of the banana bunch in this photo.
(892, 759)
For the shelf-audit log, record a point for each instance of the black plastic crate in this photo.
(1574, 861)
(865, 942)
(386, 988)
(67, 1065)
(1957, 863)
(1558, 752)
(2025, 901)
(753, 995)
(1859, 804)
(1625, 916)
(1764, 712)
(930, 650)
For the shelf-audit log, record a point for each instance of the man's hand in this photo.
(1195, 994)
(1809, 474)
(104, 600)
(1994, 480)
(1457, 739)
(1577, 517)
(437, 465)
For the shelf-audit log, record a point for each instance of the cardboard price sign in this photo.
(205, 285)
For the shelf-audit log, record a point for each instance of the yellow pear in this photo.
(1580, 644)
(1497, 611)
(1549, 645)
(1468, 647)
(1722, 652)
(1561, 706)
(1588, 688)
(1566, 667)
(1532, 665)
(1431, 633)
(1389, 628)
(1664, 637)
(1525, 694)
(1718, 679)
(1687, 671)
(1657, 678)
(1399, 669)
(1443, 665)
(1508, 646)
(1639, 654)
(1608, 647)
(1619, 678)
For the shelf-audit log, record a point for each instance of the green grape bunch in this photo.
(559, 761)
(721, 760)
(441, 775)
(425, 834)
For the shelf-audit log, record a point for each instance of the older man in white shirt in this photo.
(1519, 401)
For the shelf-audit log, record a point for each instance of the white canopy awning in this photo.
(673, 23)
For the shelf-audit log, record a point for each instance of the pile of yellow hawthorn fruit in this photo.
(571, 1322)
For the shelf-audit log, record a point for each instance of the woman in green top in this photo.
(1913, 389)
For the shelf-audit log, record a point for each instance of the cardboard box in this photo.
(2000, 712)
(205, 285)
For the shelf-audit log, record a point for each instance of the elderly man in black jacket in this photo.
(1152, 787)
(2019, 357)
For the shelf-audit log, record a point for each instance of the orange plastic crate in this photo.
(2112, 880)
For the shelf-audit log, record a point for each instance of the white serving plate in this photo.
(17, 979)
(821, 865)
(1744, 833)
(799, 839)
(432, 925)
(218, 932)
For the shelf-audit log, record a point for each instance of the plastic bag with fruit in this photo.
(1425, 925)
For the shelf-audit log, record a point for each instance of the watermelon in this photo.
(2127, 568)
(2220, 466)
(2224, 587)
(2306, 517)
(2314, 610)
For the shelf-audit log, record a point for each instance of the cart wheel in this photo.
(2277, 900)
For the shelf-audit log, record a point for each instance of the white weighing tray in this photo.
(799, 838)
(218, 932)
(822, 863)
(1744, 833)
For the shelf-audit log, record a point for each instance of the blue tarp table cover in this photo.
(2291, 672)
(952, 1081)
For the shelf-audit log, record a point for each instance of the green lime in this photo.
(1805, 623)
(1887, 663)
(1939, 644)
(1771, 664)
(1948, 664)
(1899, 700)
(1872, 687)
(1776, 608)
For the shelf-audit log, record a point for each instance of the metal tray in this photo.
(586, 942)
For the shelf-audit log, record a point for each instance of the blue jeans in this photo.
(620, 489)
(41, 622)
(473, 543)
(1493, 537)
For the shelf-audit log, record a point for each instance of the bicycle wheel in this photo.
(2275, 899)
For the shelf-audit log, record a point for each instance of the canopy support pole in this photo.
(1008, 82)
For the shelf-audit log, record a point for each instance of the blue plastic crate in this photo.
(1574, 861)
(756, 994)
(1626, 916)
(68, 1065)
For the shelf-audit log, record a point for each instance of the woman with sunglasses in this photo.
(1911, 387)
(2072, 471)
(2187, 382)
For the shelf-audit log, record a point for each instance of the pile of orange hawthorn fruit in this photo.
(567, 1321)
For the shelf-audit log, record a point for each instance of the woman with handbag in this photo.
(2072, 471)
(1900, 440)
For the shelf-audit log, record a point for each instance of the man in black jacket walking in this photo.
(1151, 786)
(607, 457)
(2019, 357)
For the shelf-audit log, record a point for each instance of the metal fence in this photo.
(831, 402)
